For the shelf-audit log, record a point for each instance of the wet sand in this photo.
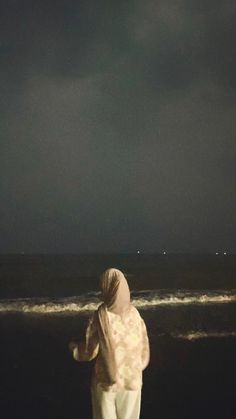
(39, 379)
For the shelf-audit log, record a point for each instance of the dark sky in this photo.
(117, 126)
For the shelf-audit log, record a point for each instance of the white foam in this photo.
(48, 308)
(195, 335)
(196, 299)
(148, 299)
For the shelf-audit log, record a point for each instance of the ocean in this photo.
(187, 301)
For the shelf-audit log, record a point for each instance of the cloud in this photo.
(119, 120)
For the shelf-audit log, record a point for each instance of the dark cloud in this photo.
(117, 125)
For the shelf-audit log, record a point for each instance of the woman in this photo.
(117, 336)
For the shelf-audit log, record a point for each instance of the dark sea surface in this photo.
(187, 301)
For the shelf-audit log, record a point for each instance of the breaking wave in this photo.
(199, 334)
(144, 300)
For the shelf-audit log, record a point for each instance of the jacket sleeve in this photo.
(145, 345)
(88, 350)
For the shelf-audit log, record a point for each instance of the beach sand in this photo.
(39, 378)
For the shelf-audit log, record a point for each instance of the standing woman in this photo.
(117, 336)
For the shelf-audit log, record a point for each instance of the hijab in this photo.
(116, 299)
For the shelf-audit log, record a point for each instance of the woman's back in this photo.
(116, 336)
(131, 351)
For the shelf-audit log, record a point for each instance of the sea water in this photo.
(45, 285)
(187, 301)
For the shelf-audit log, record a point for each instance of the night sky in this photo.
(117, 126)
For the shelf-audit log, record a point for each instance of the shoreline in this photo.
(185, 379)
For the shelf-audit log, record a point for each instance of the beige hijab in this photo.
(116, 298)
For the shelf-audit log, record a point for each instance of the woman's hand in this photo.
(72, 345)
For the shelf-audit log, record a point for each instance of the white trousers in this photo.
(123, 404)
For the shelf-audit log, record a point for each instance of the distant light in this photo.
(138, 252)
(225, 253)
(164, 253)
(217, 253)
